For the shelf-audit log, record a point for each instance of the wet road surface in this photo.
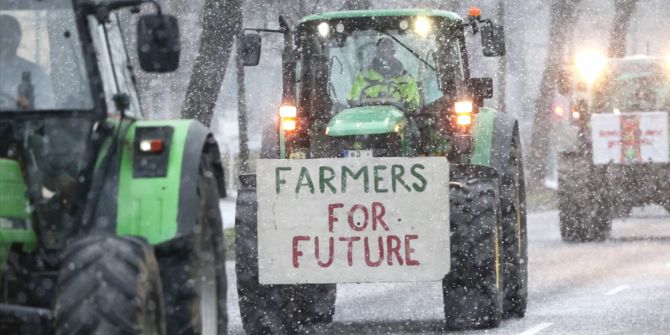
(621, 286)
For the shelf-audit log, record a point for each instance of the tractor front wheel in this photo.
(472, 289)
(272, 309)
(109, 285)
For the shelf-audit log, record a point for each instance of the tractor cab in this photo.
(600, 85)
(42, 60)
(65, 83)
(391, 83)
(638, 84)
(91, 194)
(47, 100)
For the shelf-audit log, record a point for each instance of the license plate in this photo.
(357, 154)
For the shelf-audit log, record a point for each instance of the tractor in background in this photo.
(620, 157)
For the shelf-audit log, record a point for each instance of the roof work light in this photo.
(590, 64)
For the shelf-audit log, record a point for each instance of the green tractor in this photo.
(379, 108)
(620, 157)
(108, 224)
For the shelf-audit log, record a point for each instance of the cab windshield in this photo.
(405, 62)
(41, 61)
(634, 88)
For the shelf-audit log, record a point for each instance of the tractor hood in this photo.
(366, 120)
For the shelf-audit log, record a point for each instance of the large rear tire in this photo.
(582, 212)
(193, 268)
(472, 289)
(514, 228)
(109, 285)
(272, 309)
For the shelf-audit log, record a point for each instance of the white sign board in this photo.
(630, 138)
(353, 220)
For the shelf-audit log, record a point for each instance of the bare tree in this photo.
(356, 5)
(216, 42)
(242, 106)
(293, 10)
(502, 63)
(563, 17)
(624, 10)
(516, 81)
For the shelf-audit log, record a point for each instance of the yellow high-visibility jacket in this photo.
(371, 84)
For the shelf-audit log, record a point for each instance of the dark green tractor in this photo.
(419, 103)
(620, 157)
(109, 224)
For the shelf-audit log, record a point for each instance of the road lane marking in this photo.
(617, 290)
(537, 329)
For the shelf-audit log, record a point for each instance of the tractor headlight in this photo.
(287, 117)
(422, 26)
(463, 111)
(589, 65)
(324, 29)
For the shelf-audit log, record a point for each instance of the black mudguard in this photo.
(505, 128)
(200, 144)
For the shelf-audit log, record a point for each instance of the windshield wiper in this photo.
(414, 53)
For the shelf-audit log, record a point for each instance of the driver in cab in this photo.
(387, 78)
(23, 84)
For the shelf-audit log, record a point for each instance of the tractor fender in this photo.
(482, 136)
(199, 142)
(493, 137)
(493, 133)
(162, 205)
(505, 128)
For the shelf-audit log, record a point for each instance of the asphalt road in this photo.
(621, 286)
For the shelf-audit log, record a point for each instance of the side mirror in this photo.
(493, 40)
(481, 88)
(251, 49)
(564, 82)
(158, 46)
